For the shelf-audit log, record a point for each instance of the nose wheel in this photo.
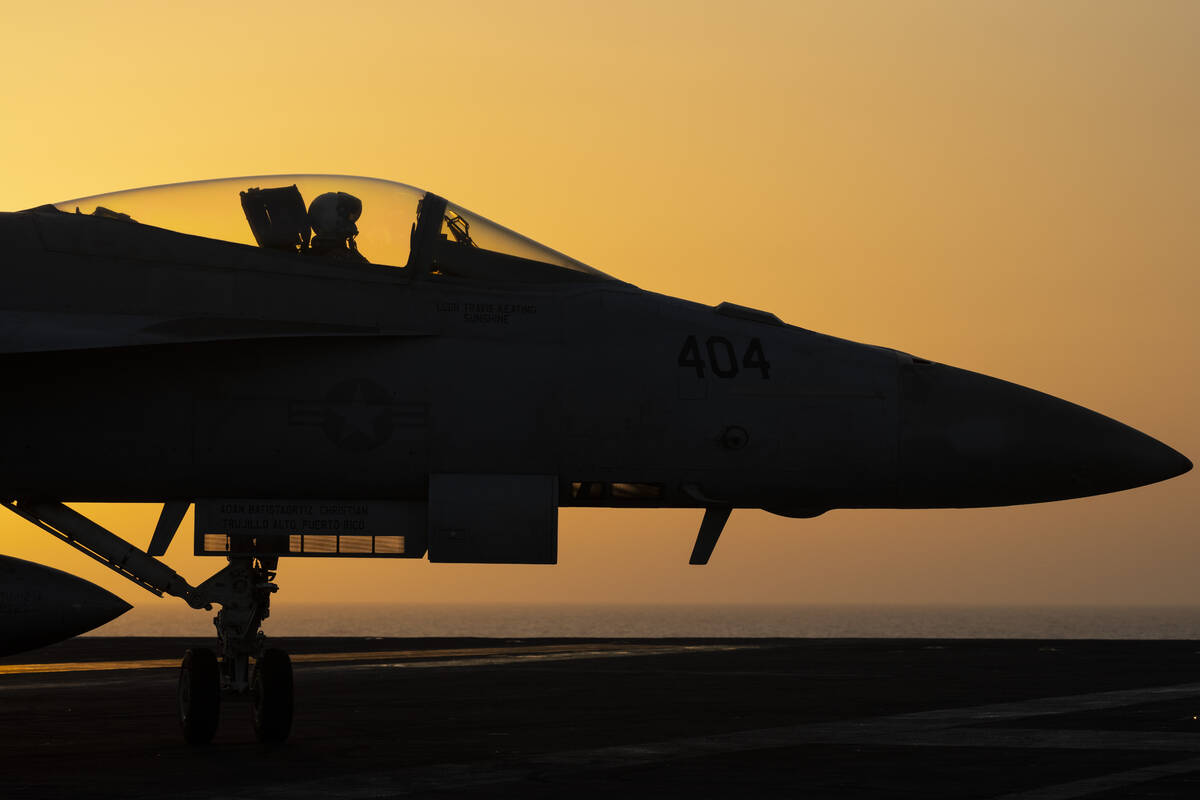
(271, 696)
(199, 695)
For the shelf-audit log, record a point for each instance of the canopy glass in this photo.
(350, 220)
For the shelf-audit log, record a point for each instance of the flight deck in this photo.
(890, 718)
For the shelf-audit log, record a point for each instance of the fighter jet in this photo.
(327, 366)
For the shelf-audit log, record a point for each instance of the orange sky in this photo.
(1011, 187)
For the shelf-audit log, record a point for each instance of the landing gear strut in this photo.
(243, 589)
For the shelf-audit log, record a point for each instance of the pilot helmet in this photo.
(333, 214)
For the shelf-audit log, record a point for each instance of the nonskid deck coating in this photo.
(591, 718)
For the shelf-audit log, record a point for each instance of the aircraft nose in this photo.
(970, 440)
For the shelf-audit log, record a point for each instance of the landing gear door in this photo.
(493, 519)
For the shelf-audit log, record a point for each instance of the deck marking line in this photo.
(466, 656)
(1095, 701)
(1104, 783)
(1030, 738)
(521, 658)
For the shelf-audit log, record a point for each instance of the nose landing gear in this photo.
(243, 589)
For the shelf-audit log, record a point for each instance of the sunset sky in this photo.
(1009, 187)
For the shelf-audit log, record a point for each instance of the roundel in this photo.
(358, 415)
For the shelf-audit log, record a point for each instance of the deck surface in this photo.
(840, 718)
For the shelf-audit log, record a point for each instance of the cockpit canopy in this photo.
(343, 219)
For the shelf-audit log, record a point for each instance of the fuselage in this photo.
(145, 364)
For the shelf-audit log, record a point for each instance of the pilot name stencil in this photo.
(487, 313)
(233, 517)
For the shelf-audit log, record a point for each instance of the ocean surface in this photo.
(172, 618)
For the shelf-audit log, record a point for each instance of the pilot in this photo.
(332, 217)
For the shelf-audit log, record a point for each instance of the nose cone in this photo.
(970, 440)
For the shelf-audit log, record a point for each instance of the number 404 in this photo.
(722, 358)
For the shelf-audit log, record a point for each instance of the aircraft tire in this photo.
(199, 695)
(271, 696)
